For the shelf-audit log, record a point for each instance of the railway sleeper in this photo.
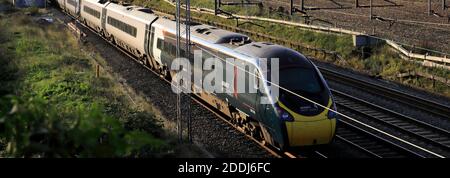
(390, 155)
(372, 146)
(381, 150)
(396, 122)
(442, 140)
(447, 142)
(386, 118)
(416, 129)
(431, 135)
(360, 141)
(410, 127)
(424, 133)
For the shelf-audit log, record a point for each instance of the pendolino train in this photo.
(289, 121)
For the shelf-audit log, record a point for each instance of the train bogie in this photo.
(61, 4)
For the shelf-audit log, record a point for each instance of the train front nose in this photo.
(301, 133)
(304, 130)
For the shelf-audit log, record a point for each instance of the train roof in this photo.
(209, 33)
(238, 45)
(99, 2)
(269, 51)
(218, 36)
(145, 15)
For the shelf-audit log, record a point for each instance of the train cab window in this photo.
(183, 52)
(72, 2)
(206, 55)
(159, 44)
(306, 80)
(302, 82)
(169, 48)
(256, 79)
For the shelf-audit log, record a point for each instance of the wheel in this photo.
(111, 39)
(167, 74)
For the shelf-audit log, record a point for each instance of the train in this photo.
(289, 121)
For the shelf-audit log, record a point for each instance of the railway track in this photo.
(371, 144)
(427, 106)
(350, 134)
(427, 139)
(365, 142)
(275, 152)
(422, 104)
(409, 100)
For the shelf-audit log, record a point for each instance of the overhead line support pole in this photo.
(302, 7)
(444, 5)
(179, 118)
(292, 7)
(215, 7)
(429, 7)
(187, 55)
(371, 10)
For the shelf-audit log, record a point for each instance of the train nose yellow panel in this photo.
(310, 133)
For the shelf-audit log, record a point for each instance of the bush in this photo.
(34, 128)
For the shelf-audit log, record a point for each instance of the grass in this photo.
(48, 84)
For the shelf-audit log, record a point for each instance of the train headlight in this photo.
(284, 115)
(332, 114)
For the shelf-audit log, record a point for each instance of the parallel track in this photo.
(422, 104)
(371, 144)
(347, 135)
(422, 134)
(407, 99)
(220, 115)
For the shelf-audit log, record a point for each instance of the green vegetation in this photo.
(53, 105)
(378, 61)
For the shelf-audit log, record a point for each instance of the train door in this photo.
(197, 69)
(158, 45)
(244, 88)
(264, 111)
(104, 18)
(227, 81)
(77, 7)
(150, 42)
(62, 4)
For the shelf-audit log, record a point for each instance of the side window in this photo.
(256, 79)
(169, 48)
(173, 49)
(206, 55)
(159, 44)
(91, 12)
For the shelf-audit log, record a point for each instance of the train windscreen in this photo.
(303, 79)
(306, 83)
